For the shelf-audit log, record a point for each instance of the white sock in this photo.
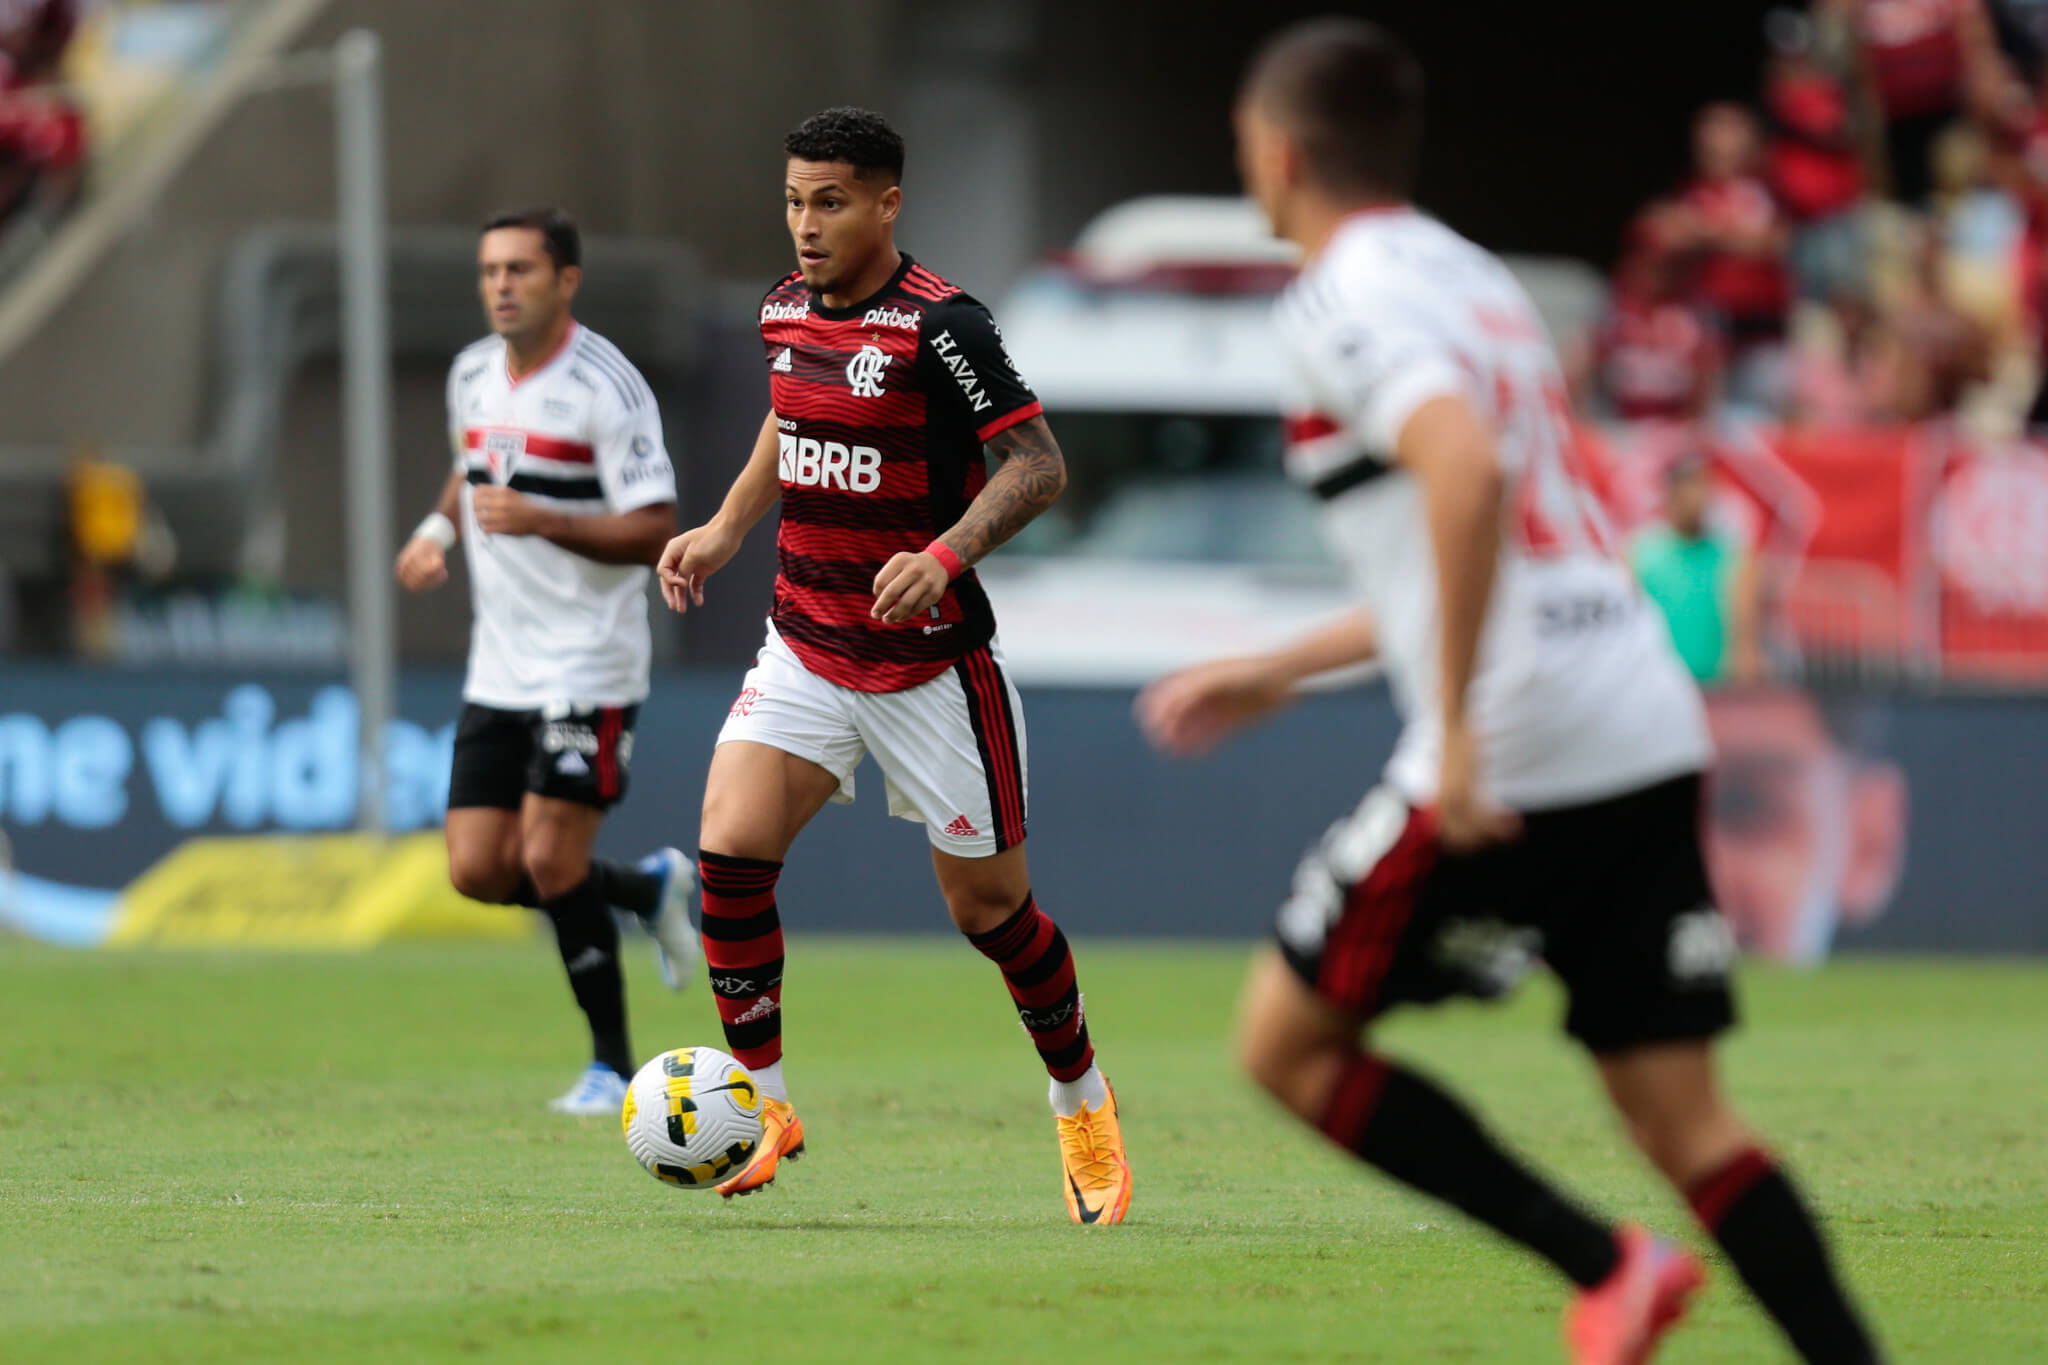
(769, 1078)
(1068, 1096)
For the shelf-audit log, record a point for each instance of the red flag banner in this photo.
(1989, 550)
(1908, 547)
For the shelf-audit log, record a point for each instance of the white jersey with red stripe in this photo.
(580, 435)
(1578, 694)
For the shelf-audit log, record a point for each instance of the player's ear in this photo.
(891, 201)
(571, 281)
(1287, 153)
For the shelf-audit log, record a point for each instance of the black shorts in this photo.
(1613, 896)
(577, 753)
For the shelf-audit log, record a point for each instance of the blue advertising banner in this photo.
(1894, 823)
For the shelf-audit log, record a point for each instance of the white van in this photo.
(1151, 346)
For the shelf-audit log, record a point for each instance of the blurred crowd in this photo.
(42, 130)
(1861, 245)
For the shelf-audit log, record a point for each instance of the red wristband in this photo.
(948, 561)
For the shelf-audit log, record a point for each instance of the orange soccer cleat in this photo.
(782, 1135)
(1098, 1178)
(1620, 1320)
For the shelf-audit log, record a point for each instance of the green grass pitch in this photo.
(269, 1157)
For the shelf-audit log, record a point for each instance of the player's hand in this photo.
(502, 512)
(691, 558)
(1465, 819)
(907, 585)
(422, 565)
(1186, 714)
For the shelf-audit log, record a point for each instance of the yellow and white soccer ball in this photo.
(692, 1117)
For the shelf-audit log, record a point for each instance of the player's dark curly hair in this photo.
(860, 137)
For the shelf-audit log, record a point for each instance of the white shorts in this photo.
(951, 750)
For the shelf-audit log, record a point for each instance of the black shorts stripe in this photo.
(995, 734)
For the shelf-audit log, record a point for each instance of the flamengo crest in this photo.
(864, 371)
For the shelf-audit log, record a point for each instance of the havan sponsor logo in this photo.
(954, 360)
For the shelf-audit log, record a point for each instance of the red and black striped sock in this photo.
(1755, 1213)
(1420, 1135)
(743, 948)
(1039, 970)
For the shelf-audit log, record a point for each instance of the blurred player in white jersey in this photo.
(563, 496)
(1545, 792)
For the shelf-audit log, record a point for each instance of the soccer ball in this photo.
(692, 1117)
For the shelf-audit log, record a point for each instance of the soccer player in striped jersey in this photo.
(562, 495)
(1545, 794)
(888, 384)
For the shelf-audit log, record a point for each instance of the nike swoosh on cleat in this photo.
(1088, 1215)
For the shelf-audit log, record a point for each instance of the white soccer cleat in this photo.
(599, 1092)
(676, 949)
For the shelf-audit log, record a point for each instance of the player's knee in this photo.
(976, 910)
(1684, 1144)
(728, 827)
(555, 870)
(1279, 1067)
(482, 875)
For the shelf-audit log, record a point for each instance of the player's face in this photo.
(839, 222)
(523, 293)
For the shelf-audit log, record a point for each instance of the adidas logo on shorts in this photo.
(571, 764)
(962, 828)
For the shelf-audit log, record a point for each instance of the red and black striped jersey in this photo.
(881, 409)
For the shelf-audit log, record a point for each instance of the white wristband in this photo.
(436, 528)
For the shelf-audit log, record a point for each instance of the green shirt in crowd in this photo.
(1692, 581)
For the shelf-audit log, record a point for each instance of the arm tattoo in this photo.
(1033, 473)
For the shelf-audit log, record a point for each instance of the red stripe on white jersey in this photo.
(1302, 428)
(534, 444)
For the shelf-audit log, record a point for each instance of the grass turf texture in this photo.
(256, 1157)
